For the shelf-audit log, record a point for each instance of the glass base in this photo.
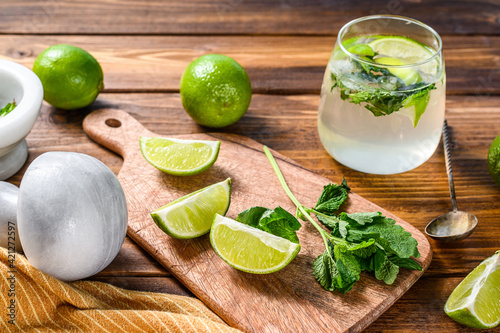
(13, 161)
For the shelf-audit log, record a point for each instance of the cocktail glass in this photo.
(382, 100)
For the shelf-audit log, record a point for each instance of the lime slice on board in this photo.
(179, 157)
(475, 302)
(192, 215)
(249, 249)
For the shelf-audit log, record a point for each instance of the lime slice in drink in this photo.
(407, 50)
(407, 74)
(192, 215)
(475, 302)
(361, 50)
(249, 249)
(403, 48)
(179, 157)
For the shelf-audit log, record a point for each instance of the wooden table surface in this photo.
(144, 46)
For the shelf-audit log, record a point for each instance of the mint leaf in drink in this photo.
(7, 108)
(391, 96)
(420, 100)
(278, 222)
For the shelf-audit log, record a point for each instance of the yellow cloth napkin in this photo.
(36, 302)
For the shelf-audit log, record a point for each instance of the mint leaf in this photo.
(325, 271)
(387, 271)
(7, 108)
(253, 215)
(329, 221)
(332, 197)
(357, 236)
(378, 101)
(405, 262)
(362, 250)
(349, 270)
(393, 238)
(278, 222)
(360, 218)
(343, 228)
(420, 101)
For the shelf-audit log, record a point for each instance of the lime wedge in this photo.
(192, 215)
(179, 157)
(249, 249)
(475, 302)
(408, 75)
(403, 48)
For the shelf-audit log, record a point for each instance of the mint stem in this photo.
(299, 206)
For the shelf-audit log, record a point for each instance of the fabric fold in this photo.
(36, 302)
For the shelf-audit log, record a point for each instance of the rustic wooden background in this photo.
(144, 46)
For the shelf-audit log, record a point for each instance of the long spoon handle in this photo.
(449, 170)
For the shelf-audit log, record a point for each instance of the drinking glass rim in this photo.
(395, 17)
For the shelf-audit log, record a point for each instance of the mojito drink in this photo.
(382, 103)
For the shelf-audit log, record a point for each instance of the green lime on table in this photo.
(192, 215)
(250, 249)
(475, 302)
(494, 160)
(179, 157)
(71, 77)
(215, 90)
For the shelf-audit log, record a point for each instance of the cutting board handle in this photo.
(114, 129)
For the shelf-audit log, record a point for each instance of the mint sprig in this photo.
(356, 242)
(7, 108)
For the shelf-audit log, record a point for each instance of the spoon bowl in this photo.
(455, 225)
(452, 226)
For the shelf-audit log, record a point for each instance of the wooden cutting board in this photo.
(286, 301)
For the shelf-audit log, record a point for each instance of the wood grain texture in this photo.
(280, 302)
(284, 65)
(236, 16)
(288, 125)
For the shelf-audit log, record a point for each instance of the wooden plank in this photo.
(292, 293)
(421, 310)
(167, 285)
(132, 260)
(283, 65)
(235, 16)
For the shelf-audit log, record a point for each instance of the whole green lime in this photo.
(494, 160)
(71, 77)
(215, 90)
